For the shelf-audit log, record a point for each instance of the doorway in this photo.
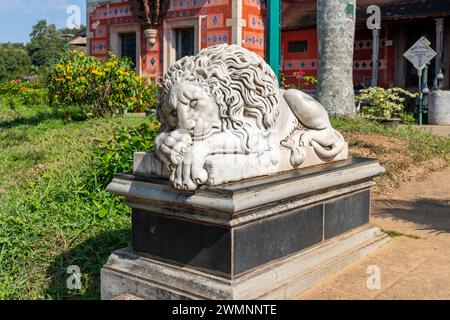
(128, 46)
(184, 42)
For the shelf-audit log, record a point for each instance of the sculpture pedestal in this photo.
(263, 238)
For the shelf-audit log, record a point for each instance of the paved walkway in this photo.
(415, 265)
(443, 131)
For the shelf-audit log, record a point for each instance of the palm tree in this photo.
(336, 34)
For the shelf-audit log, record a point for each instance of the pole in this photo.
(274, 35)
(375, 56)
(439, 50)
(420, 97)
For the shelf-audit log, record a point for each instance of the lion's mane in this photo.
(244, 87)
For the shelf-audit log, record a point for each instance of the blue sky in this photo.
(17, 17)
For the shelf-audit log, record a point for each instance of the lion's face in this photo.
(191, 108)
(222, 88)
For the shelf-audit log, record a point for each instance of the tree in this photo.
(46, 44)
(336, 34)
(14, 61)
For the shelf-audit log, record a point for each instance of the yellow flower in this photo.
(123, 72)
(82, 79)
(69, 78)
(113, 56)
(98, 73)
(59, 79)
(111, 64)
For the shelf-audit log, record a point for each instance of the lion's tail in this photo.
(335, 149)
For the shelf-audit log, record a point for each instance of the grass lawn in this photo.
(47, 224)
(407, 153)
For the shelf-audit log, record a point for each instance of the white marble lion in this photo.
(225, 102)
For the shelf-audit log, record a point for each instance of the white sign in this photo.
(420, 53)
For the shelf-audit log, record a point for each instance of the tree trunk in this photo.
(336, 34)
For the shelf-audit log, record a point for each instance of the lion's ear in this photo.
(202, 72)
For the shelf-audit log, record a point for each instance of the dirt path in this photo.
(415, 264)
(443, 131)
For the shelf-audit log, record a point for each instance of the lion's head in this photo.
(224, 87)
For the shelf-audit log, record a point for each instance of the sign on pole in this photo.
(374, 24)
(420, 53)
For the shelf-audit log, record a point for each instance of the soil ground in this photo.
(415, 264)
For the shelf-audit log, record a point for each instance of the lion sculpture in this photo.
(224, 118)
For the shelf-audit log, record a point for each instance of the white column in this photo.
(439, 47)
(236, 22)
(375, 56)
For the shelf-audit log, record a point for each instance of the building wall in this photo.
(241, 22)
(307, 62)
(294, 62)
(213, 18)
(253, 33)
(103, 19)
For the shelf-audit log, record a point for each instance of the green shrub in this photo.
(384, 103)
(14, 61)
(103, 88)
(25, 93)
(116, 154)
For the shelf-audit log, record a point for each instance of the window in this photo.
(298, 46)
(185, 42)
(176, 32)
(128, 46)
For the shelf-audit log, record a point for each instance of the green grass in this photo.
(405, 152)
(422, 145)
(47, 222)
(394, 234)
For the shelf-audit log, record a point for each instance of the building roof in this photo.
(80, 39)
(301, 14)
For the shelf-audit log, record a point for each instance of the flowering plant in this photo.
(304, 81)
(103, 88)
(24, 93)
(383, 103)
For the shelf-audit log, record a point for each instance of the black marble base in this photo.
(232, 250)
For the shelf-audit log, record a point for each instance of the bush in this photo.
(383, 103)
(116, 154)
(102, 88)
(14, 61)
(25, 93)
(302, 81)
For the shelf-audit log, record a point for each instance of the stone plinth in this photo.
(439, 107)
(268, 237)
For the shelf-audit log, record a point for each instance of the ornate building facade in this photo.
(191, 25)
